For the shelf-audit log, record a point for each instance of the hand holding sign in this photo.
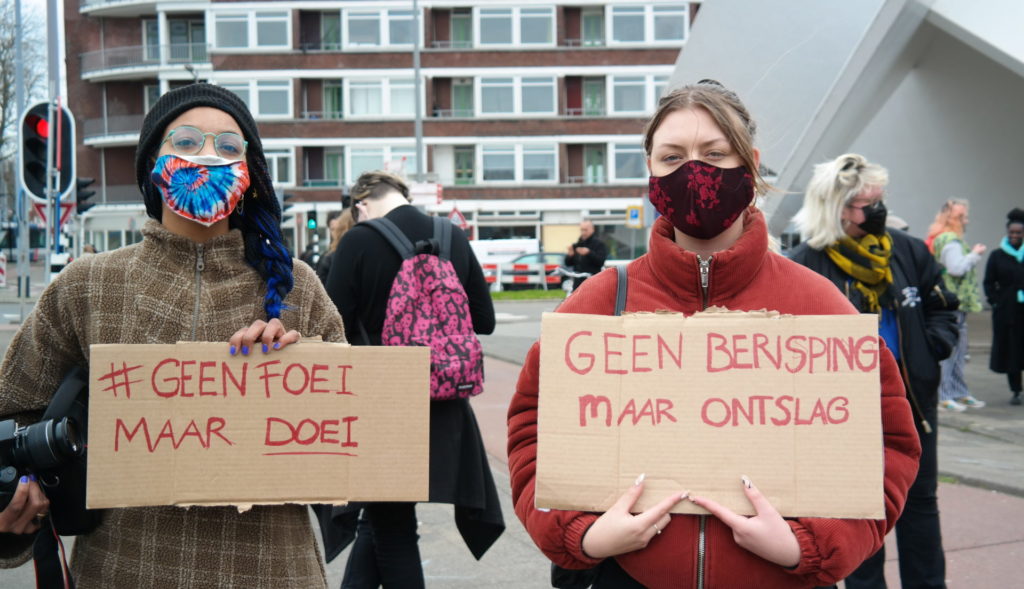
(765, 534)
(618, 531)
(272, 334)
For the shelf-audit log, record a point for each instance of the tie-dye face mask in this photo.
(200, 188)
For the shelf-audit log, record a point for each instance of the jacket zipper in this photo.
(705, 281)
(200, 265)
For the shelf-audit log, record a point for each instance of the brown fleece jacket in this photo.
(157, 292)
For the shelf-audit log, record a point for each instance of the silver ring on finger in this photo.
(657, 530)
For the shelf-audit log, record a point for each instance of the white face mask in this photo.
(201, 188)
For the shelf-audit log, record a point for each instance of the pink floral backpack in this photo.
(428, 306)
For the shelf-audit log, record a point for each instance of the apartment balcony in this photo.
(144, 61)
(123, 8)
(112, 131)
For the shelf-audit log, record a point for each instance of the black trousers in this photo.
(386, 550)
(1015, 381)
(918, 536)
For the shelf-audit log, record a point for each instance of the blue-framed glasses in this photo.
(186, 140)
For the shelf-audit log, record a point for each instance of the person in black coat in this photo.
(893, 274)
(359, 282)
(587, 255)
(1004, 288)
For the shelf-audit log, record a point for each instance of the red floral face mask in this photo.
(700, 199)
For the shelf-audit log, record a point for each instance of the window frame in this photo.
(386, 87)
(613, 151)
(518, 152)
(481, 83)
(384, 18)
(516, 15)
(253, 102)
(648, 14)
(253, 20)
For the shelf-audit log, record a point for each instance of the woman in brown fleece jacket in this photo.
(212, 267)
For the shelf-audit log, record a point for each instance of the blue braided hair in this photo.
(258, 216)
(265, 249)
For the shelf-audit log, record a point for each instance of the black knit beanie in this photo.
(173, 104)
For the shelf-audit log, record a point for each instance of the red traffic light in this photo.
(39, 124)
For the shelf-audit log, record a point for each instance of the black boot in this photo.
(1016, 398)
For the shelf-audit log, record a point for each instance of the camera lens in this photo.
(47, 444)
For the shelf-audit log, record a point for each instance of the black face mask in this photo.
(874, 218)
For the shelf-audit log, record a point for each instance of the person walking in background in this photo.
(843, 225)
(1004, 289)
(587, 255)
(946, 240)
(709, 247)
(386, 550)
(337, 226)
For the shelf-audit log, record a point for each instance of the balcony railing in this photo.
(143, 56)
(452, 113)
(447, 44)
(584, 112)
(316, 115)
(112, 125)
(322, 182)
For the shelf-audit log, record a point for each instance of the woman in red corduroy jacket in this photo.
(709, 247)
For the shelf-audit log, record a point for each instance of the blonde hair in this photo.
(832, 187)
(345, 222)
(728, 112)
(376, 184)
(949, 218)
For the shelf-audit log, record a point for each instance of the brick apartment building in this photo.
(531, 110)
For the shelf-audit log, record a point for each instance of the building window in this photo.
(332, 102)
(381, 97)
(232, 30)
(635, 94)
(400, 27)
(667, 24)
(462, 97)
(593, 97)
(499, 163)
(363, 28)
(265, 98)
(272, 29)
(497, 95)
(539, 163)
(593, 27)
(627, 24)
(273, 98)
(594, 164)
(629, 162)
(462, 28)
(379, 28)
(516, 95)
(399, 160)
(334, 165)
(465, 160)
(255, 30)
(538, 95)
(150, 96)
(279, 162)
(330, 31)
(151, 39)
(515, 26)
(519, 163)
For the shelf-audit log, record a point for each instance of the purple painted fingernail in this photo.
(245, 350)
(232, 350)
(277, 345)
(24, 480)
(32, 477)
(265, 348)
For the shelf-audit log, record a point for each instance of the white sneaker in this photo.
(951, 405)
(971, 402)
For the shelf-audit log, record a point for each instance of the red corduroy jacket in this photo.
(745, 277)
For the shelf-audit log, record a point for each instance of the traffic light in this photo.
(82, 195)
(285, 206)
(37, 132)
(311, 221)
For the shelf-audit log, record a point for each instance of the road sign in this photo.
(635, 217)
(458, 219)
(66, 208)
(425, 193)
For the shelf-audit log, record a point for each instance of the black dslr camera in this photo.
(37, 449)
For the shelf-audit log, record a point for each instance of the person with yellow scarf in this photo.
(887, 272)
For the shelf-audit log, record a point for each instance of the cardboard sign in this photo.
(188, 424)
(695, 403)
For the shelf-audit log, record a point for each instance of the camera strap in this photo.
(50, 560)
